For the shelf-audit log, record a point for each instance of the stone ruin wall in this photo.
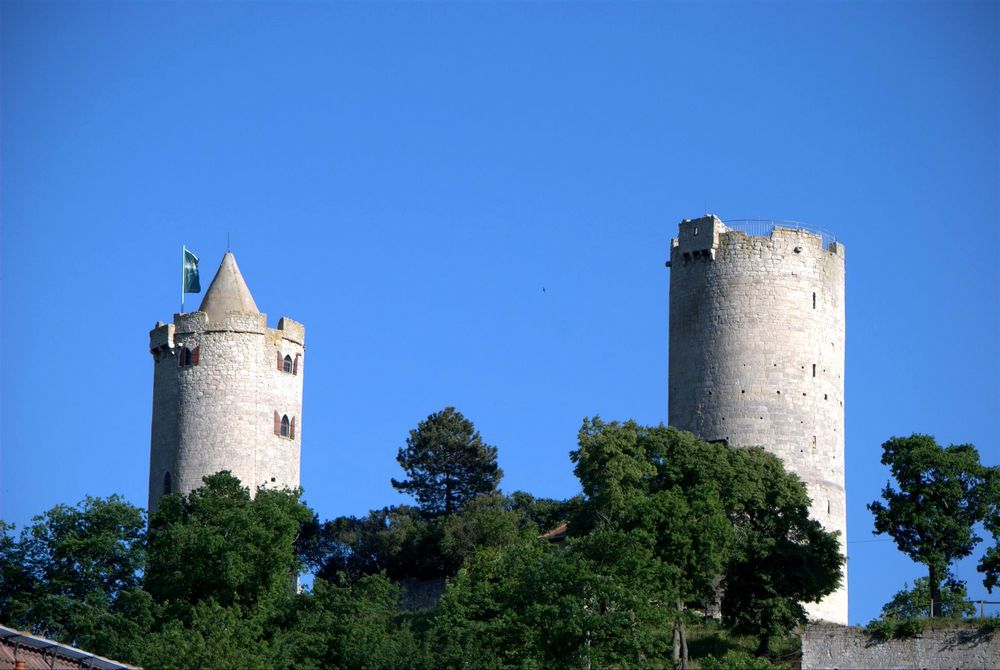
(844, 647)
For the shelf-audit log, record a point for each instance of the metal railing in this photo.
(983, 608)
(764, 228)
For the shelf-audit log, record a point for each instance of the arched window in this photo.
(285, 427)
(189, 356)
(287, 364)
(167, 488)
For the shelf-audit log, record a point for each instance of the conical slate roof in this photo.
(228, 292)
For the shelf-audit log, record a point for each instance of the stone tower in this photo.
(227, 393)
(757, 353)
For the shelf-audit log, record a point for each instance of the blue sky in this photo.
(405, 178)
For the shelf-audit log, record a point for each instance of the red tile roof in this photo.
(557, 534)
(38, 653)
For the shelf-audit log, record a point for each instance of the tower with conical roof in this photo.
(227, 393)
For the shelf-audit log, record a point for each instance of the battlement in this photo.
(161, 337)
(201, 322)
(700, 236)
(703, 236)
(290, 330)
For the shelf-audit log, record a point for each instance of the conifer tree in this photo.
(448, 463)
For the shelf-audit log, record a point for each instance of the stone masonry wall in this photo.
(843, 647)
(757, 356)
(219, 414)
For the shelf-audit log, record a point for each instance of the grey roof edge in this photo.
(45, 645)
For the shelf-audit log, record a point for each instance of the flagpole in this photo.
(183, 249)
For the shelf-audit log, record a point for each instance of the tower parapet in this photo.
(227, 393)
(757, 353)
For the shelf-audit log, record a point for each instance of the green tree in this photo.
(209, 635)
(943, 493)
(737, 660)
(484, 522)
(396, 541)
(400, 543)
(912, 603)
(629, 488)
(781, 557)
(545, 513)
(74, 575)
(529, 605)
(711, 510)
(347, 626)
(221, 570)
(989, 565)
(447, 463)
(220, 543)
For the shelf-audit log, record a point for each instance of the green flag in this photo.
(191, 284)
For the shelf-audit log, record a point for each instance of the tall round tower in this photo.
(227, 393)
(757, 353)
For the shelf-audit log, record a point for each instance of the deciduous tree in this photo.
(911, 603)
(989, 565)
(74, 574)
(943, 493)
(219, 543)
(712, 510)
(781, 557)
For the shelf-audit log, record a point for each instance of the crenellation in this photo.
(162, 336)
(291, 330)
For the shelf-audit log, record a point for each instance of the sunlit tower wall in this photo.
(757, 353)
(227, 393)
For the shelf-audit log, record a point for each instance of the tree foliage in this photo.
(530, 606)
(211, 582)
(943, 493)
(913, 603)
(402, 544)
(447, 463)
(396, 541)
(347, 626)
(989, 565)
(781, 557)
(710, 510)
(74, 573)
(738, 660)
(219, 543)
